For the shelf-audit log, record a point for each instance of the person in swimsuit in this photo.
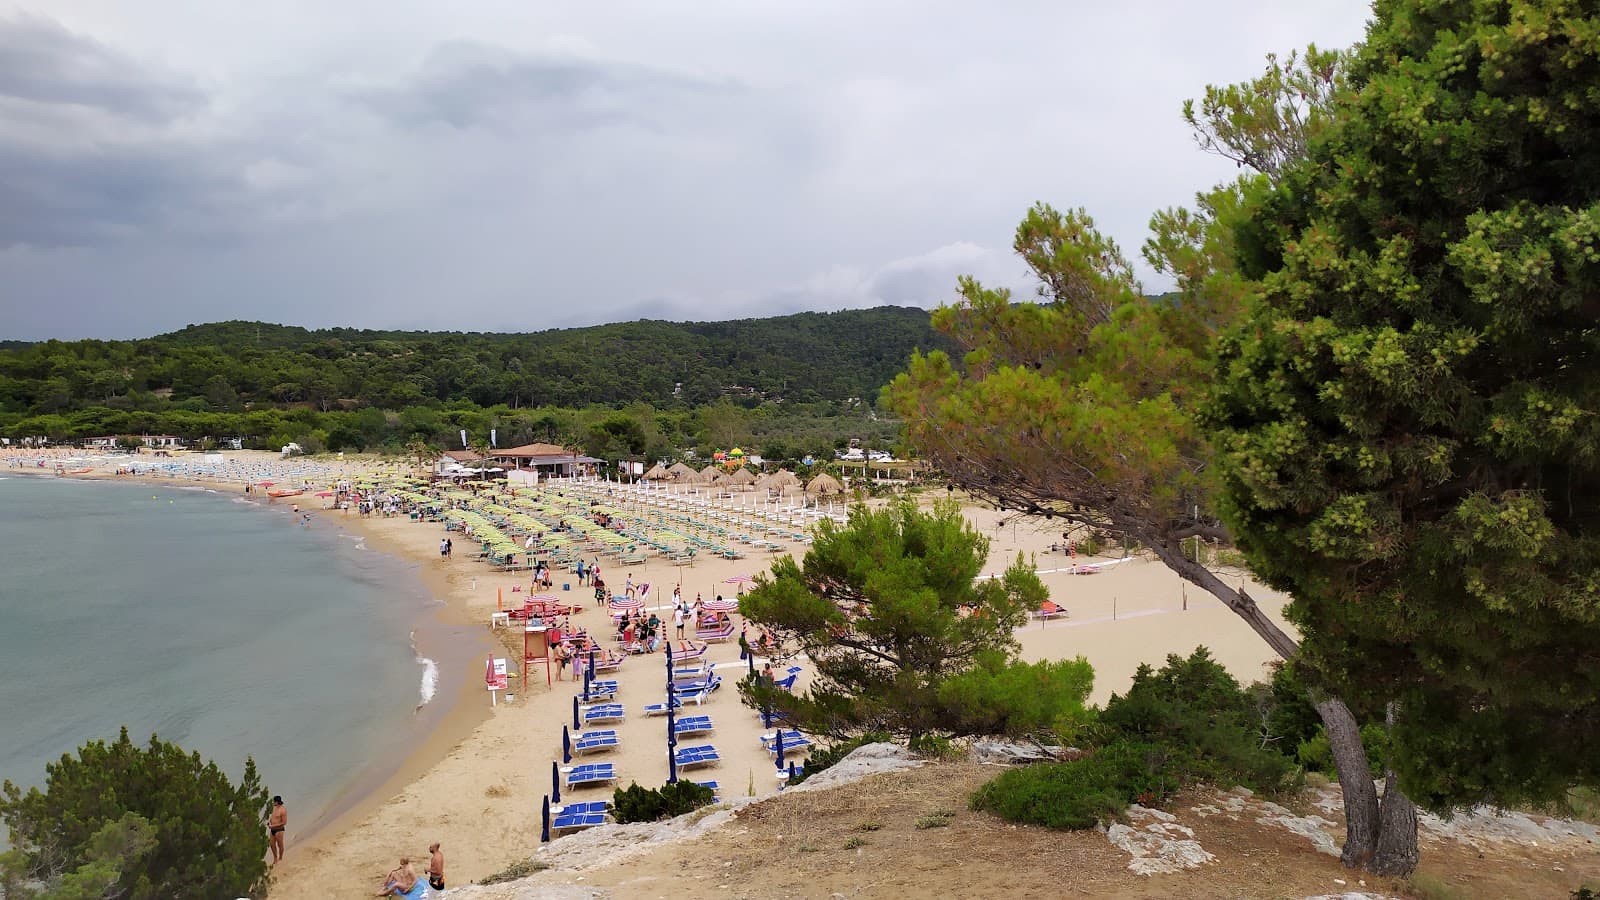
(436, 867)
(276, 823)
(400, 881)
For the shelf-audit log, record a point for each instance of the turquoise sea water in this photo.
(221, 625)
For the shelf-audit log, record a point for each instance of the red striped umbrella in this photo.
(720, 605)
(625, 604)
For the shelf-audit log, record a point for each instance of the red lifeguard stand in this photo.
(535, 651)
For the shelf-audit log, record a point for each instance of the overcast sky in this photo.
(527, 164)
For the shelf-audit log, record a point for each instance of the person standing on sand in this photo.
(436, 867)
(277, 821)
(444, 547)
(677, 620)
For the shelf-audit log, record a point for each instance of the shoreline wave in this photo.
(430, 675)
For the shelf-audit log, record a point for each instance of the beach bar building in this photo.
(547, 460)
(453, 461)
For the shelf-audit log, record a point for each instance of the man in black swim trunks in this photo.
(276, 823)
(436, 867)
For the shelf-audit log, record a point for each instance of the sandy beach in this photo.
(476, 784)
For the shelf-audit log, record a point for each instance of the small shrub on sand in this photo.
(522, 868)
(636, 804)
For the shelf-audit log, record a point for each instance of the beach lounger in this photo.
(715, 634)
(595, 742)
(607, 662)
(599, 690)
(793, 742)
(699, 670)
(790, 738)
(577, 821)
(708, 684)
(605, 712)
(660, 709)
(702, 755)
(1050, 610)
(590, 774)
(715, 796)
(688, 651)
(583, 806)
(692, 725)
(698, 696)
(786, 684)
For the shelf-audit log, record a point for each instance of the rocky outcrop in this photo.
(1157, 843)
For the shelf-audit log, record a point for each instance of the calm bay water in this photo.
(228, 629)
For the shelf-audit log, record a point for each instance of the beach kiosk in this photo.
(535, 651)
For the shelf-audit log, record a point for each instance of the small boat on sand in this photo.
(285, 493)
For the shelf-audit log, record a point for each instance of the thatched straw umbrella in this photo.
(742, 476)
(658, 472)
(710, 472)
(784, 477)
(681, 472)
(824, 484)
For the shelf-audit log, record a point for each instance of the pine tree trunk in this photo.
(1379, 838)
(1397, 851)
(1362, 822)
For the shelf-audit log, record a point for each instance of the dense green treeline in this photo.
(785, 387)
(231, 366)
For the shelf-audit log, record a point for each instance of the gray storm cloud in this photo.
(516, 166)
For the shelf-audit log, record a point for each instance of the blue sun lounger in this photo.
(599, 690)
(583, 806)
(703, 755)
(708, 684)
(660, 709)
(793, 741)
(715, 796)
(605, 712)
(691, 725)
(595, 741)
(578, 816)
(698, 696)
(590, 773)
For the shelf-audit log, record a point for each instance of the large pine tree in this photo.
(1410, 417)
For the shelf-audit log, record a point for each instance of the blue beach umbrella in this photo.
(779, 740)
(555, 781)
(566, 745)
(544, 818)
(591, 663)
(574, 712)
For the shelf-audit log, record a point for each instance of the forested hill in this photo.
(805, 357)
